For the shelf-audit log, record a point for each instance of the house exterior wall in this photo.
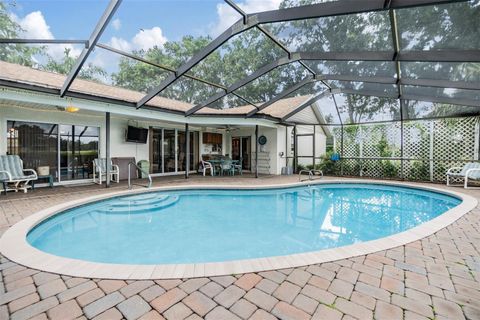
(277, 138)
(118, 124)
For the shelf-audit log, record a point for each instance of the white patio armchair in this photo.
(207, 166)
(100, 171)
(470, 170)
(15, 177)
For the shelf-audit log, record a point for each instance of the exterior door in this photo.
(156, 151)
(169, 150)
(241, 151)
(168, 153)
(78, 149)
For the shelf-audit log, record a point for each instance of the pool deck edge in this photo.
(14, 246)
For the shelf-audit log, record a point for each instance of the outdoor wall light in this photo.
(72, 109)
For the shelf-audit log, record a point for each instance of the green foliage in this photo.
(140, 76)
(383, 147)
(88, 71)
(390, 168)
(328, 166)
(419, 170)
(14, 52)
(300, 167)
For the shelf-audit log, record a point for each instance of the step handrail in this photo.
(141, 170)
(311, 174)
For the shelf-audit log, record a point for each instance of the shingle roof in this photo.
(45, 79)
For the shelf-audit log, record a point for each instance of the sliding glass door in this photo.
(169, 148)
(241, 147)
(193, 152)
(68, 150)
(168, 152)
(35, 143)
(78, 149)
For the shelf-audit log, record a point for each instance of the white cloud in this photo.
(144, 39)
(120, 44)
(228, 16)
(149, 38)
(117, 24)
(35, 27)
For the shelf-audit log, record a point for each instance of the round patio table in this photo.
(217, 165)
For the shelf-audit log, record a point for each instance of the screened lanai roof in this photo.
(327, 62)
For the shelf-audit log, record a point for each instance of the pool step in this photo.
(143, 208)
(138, 201)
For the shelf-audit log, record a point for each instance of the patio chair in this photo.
(13, 175)
(237, 167)
(227, 166)
(100, 168)
(207, 166)
(470, 170)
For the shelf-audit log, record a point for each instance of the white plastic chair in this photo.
(207, 165)
(469, 171)
(100, 167)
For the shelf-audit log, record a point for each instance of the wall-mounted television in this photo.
(138, 135)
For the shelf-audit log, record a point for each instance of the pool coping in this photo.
(15, 247)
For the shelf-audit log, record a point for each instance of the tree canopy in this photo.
(13, 52)
(449, 26)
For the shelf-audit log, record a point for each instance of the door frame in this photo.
(162, 152)
(241, 149)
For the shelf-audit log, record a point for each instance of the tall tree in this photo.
(88, 71)
(12, 52)
(234, 60)
(139, 76)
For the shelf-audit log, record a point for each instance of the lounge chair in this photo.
(207, 166)
(13, 175)
(469, 171)
(100, 168)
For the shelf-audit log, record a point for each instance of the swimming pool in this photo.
(204, 226)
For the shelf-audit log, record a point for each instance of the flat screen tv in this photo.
(138, 135)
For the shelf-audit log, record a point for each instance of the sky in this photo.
(137, 24)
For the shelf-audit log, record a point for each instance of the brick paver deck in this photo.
(437, 277)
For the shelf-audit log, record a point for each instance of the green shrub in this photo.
(300, 167)
(389, 168)
(419, 171)
(327, 165)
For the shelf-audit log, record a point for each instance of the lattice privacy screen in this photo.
(429, 148)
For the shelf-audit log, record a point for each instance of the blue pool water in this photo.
(219, 225)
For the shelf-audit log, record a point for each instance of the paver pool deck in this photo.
(437, 277)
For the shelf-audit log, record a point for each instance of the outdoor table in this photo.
(49, 177)
(217, 163)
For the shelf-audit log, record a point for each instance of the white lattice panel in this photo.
(453, 144)
(416, 139)
(430, 148)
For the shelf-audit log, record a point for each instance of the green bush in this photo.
(300, 167)
(327, 165)
(389, 168)
(419, 171)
